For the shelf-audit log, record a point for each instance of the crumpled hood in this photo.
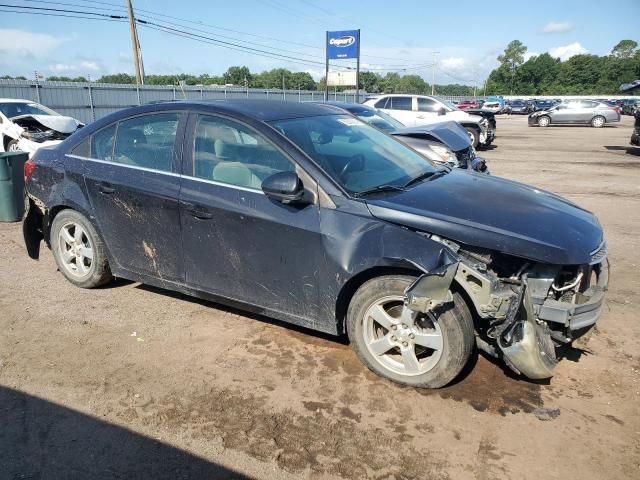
(452, 134)
(461, 116)
(54, 122)
(495, 213)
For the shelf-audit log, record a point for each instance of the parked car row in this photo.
(587, 112)
(308, 214)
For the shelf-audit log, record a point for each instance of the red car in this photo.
(464, 104)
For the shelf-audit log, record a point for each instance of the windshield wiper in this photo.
(424, 175)
(380, 188)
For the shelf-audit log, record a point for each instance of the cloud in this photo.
(90, 65)
(529, 55)
(565, 52)
(557, 27)
(30, 44)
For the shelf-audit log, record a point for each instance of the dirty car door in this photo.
(133, 187)
(239, 243)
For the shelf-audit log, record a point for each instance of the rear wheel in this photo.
(598, 121)
(544, 121)
(410, 348)
(78, 250)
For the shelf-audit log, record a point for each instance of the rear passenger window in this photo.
(228, 152)
(102, 143)
(82, 149)
(400, 103)
(147, 141)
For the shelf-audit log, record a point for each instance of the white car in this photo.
(27, 126)
(415, 110)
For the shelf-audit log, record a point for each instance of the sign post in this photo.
(342, 45)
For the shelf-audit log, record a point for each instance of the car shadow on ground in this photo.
(41, 439)
(340, 339)
(497, 364)
(628, 150)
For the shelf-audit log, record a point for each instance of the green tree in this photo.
(512, 59)
(117, 78)
(237, 75)
(625, 49)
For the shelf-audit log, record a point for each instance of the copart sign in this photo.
(344, 44)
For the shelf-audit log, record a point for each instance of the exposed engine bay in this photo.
(38, 131)
(524, 310)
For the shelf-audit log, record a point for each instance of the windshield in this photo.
(379, 120)
(450, 105)
(356, 155)
(15, 109)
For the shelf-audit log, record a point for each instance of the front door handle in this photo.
(106, 188)
(198, 211)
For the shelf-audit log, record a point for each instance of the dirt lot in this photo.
(202, 391)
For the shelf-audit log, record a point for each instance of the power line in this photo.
(240, 32)
(185, 34)
(61, 15)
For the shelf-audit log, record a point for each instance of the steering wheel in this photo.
(354, 162)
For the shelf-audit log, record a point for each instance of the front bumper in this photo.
(587, 308)
(532, 120)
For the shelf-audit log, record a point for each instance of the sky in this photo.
(395, 36)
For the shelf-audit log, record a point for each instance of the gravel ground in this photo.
(204, 391)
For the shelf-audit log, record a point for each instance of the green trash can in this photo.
(12, 185)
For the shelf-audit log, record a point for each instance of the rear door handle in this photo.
(106, 188)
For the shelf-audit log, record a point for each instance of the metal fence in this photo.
(91, 101)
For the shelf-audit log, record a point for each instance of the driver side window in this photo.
(229, 152)
(427, 105)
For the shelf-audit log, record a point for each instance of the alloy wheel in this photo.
(76, 251)
(400, 339)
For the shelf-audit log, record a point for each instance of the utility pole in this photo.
(135, 45)
(433, 81)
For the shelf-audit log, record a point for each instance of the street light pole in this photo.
(433, 81)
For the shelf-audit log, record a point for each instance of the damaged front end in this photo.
(524, 310)
(36, 131)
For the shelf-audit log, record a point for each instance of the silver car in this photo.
(587, 112)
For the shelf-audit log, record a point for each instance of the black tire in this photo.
(544, 121)
(98, 272)
(598, 121)
(454, 320)
(12, 146)
(473, 135)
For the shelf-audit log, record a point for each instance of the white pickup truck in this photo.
(416, 110)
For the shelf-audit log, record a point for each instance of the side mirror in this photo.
(442, 111)
(285, 187)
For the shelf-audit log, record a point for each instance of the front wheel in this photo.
(598, 122)
(78, 250)
(12, 146)
(544, 121)
(473, 136)
(410, 348)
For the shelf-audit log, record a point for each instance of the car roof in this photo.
(351, 107)
(16, 100)
(262, 110)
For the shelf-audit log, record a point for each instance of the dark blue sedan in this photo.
(304, 213)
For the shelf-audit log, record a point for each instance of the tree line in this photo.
(276, 78)
(582, 74)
